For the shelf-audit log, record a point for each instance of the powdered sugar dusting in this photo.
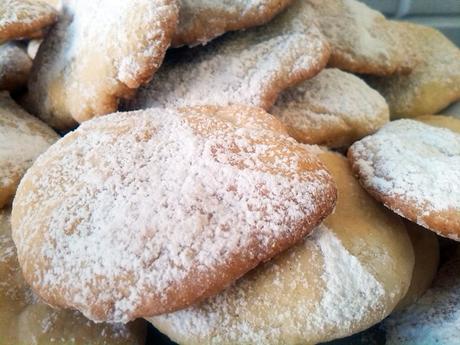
(249, 67)
(132, 204)
(254, 312)
(418, 163)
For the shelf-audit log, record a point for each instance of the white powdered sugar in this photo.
(284, 301)
(418, 163)
(133, 205)
(249, 67)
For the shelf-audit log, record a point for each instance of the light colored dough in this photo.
(15, 66)
(98, 52)
(22, 139)
(334, 109)
(250, 67)
(137, 214)
(348, 275)
(202, 20)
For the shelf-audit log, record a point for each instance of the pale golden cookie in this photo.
(250, 67)
(25, 320)
(348, 275)
(414, 169)
(141, 213)
(361, 39)
(15, 66)
(22, 139)
(433, 84)
(334, 109)
(99, 51)
(24, 18)
(202, 20)
(435, 318)
(426, 250)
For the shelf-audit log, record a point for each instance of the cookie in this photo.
(334, 109)
(15, 66)
(98, 52)
(250, 67)
(435, 318)
(435, 81)
(442, 121)
(413, 169)
(346, 276)
(22, 139)
(426, 250)
(361, 39)
(26, 320)
(141, 213)
(200, 20)
(24, 18)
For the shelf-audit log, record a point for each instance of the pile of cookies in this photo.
(232, 172)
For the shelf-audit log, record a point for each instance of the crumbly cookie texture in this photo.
(15, 66)
(250, 67)
(361, 39)
(435, 81)
(27, 320)
(22, 139)
(98, 52)
(334, 109)
(24, 18)
(202, 20)
(414, 169)
(137, 214)
(345, 277)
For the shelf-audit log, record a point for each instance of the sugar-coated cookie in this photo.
(414, 169)
(141, 213)
(334, 109)
(450, 122)
(24, 18)
(348, 275)
(250, 67)
(25, 320)
(202, 20)
(361, 39)
(435, 81)
(435, 318)
(98, 52)
(15, 66)
(22, 138)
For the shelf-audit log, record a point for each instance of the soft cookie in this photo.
(98, 52)
(22, 139)
(414, 169)
(201, 20)
(15, 66)
(141, 213)
(348, 275)
(250, 67)
(25, 320)
(24, 18)
(435, 81)
(334, 108)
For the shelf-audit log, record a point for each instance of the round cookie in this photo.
(15, 66)
(99, 51)
(24, 18)
(361, 39)
(25, 320)
(435, 318)
(200, 20)
(426, 250)
(22, 139)
(348, 275)
(334, 109)
(414, 169)
(137, 214)
(435, 81)
(250, 67)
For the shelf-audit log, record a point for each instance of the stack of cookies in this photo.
(230, 172)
